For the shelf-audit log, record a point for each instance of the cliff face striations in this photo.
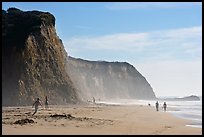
(33, 60)
(35, 64)
(108, 80)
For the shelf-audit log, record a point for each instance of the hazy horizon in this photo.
(163, 40)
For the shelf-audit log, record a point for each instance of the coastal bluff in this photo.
(108, 80)
(33, 60)
(35, 64)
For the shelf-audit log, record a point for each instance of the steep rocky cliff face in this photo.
(33, 60)
(35, 64)
(108, 80)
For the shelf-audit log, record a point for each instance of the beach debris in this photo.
(168, 127)
(17, 115)
(86, 118)
(68, 116)
(91, 121)
(62, 124)
(6, 118)
(24, 121)
(28, 113)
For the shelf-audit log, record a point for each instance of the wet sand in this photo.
(94, 120)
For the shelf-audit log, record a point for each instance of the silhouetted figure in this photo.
(164, 106)
(157, 106)
(46, 102)
(36, 104)
(94, 100)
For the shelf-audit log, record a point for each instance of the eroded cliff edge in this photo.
(33, 60)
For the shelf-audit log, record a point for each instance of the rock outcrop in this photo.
(190, 98)
(108, 80)
(33, 60)
(187, 98)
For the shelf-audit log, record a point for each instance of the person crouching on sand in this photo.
(36, 104)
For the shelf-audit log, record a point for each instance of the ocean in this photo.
(191, 110)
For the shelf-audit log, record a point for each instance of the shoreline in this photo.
(178, 109)
(92, 119)
(193, 123)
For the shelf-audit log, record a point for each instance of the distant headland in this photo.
(186, 98)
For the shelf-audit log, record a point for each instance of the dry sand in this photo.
(94, 119)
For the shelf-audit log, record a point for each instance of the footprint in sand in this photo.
(17, 115)
(160, 131)
(28, 113)
(63, 125)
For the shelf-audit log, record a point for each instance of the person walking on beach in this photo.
(164, 106)
(157, 106)
(36, 104)
(46, 102)
(94, 101)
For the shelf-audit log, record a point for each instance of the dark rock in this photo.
(69, 116)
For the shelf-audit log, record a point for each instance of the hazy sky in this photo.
(163, 40)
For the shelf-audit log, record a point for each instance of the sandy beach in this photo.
(94, 120)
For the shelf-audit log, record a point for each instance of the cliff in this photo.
(108, 80)
(33, 60)
(35, 64)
